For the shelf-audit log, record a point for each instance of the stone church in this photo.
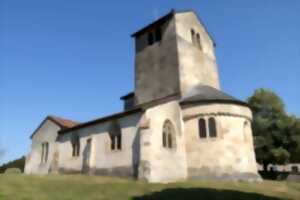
(177, 123)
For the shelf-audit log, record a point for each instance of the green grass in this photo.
(77, 187)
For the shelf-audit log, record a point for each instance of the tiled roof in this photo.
(63, 123)
(206, 94)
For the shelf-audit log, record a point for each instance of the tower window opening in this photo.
(158, 35)
(199, 41)
(150, 39)
(193, 36)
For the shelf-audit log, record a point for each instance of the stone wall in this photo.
(102, 159)
(175, 64)
(46, 133)
(163, 164)
(228, 156)
(196, 66)
(156, 66)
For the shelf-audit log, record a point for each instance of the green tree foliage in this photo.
(18, 163)
(276, 134)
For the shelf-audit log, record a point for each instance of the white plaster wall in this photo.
(102, 158)
(165, 164)
(46, 133)
(195, 66)
(231, 153)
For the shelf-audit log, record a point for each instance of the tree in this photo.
(18, 163)
(276, 134)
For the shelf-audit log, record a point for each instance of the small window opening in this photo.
(150, 39)
(75, 145)
(158, 35)
(199, 41)
(193, 36)
(115, 136)
(45, 152)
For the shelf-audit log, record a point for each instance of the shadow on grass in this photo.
(202, 193)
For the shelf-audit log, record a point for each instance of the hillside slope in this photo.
(77, 187)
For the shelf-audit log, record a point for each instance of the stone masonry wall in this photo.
(196, 66)
(228, 156)
(164, 164)
(156, 66)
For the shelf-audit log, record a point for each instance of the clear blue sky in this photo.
(75, 58)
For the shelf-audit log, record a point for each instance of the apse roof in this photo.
(208, 94)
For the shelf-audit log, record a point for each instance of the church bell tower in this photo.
(174, 55)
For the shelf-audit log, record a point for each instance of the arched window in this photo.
(158, 34)
(193, 36)
(75, 145)
(202, 128)
(212, 127)
(198, 41)
(150, 38)
(168, 135)
(115, 136)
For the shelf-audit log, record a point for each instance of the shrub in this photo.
(13, 171)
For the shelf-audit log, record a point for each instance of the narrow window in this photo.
(212, 127)
(199, 41)
(150, 39)
(119, 142)
(158, 35)
(42, 155)
(168, 135)
(202, 128)
(115, 136)
(193, 36)
(112, 142)
(75, 145)
(46, 151)
(78, 147)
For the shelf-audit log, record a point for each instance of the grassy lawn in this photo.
(77, 187)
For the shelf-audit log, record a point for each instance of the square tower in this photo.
(174, 55)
